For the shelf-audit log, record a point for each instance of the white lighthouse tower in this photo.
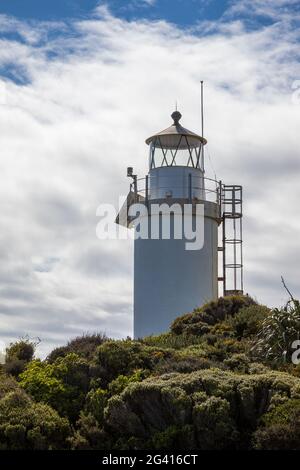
(171, 279)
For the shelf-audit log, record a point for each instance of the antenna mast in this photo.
(202, 125)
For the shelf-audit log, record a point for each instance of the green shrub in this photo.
(28, 425)
(183, 364)
(222, 329)
(22, 349)
(7, 384)
(171, 341)
(89, 435)
(284, 413)
(223, 408)
(174, 437)
(18, 355)
(277, 437)
(84, 346)
(119, 384)
(41, 382)
(15, 367)
(248, 321)
(63, 384)
(119, 357)
(96, 401)
(222, 349)
(214, 425)
(280, 429)
(124, 357)
(238, 363)
(199, 321)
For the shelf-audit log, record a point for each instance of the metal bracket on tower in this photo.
(232, 243)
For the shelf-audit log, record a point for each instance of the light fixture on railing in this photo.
(134, 177)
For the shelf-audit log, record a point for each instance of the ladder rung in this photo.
(220, 278)
(220, 248)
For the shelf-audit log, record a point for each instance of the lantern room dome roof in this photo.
(176, 136)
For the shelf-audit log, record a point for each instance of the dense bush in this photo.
(119, 384)
(17, 355)
(174, 437)
(198, 322)
(124, 357)
(28, 425)
(89, 435)
(247, 322)
(63, 384)
(221, 408)
(195, 387)
(7, 384)
(183, 364)
(84, 346)
(96, 401)
(280, 429)
(214, 425)
(171, 341)
(238, 363)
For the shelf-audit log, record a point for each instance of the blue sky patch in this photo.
(181, 12)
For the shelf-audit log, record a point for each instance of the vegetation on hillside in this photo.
(221, 378)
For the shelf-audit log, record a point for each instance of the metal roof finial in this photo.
(176, 116)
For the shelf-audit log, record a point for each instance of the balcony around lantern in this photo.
(190, 188)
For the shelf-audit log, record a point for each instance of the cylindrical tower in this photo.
(169, 279)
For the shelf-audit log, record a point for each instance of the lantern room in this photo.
(176, 163)
(176, 146)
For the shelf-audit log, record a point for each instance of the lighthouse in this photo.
(188, 242)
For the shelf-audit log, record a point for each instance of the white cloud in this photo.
(141, 3)
(146, 2)
(279, 10)
(67, 135)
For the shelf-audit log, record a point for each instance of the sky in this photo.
(82, 84)
(181, 12)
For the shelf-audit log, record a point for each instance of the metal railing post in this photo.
(147, 189)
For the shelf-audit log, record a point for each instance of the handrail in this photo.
(143, 186)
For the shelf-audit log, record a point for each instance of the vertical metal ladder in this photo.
(231, 204)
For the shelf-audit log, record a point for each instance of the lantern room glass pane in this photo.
(181, 155)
